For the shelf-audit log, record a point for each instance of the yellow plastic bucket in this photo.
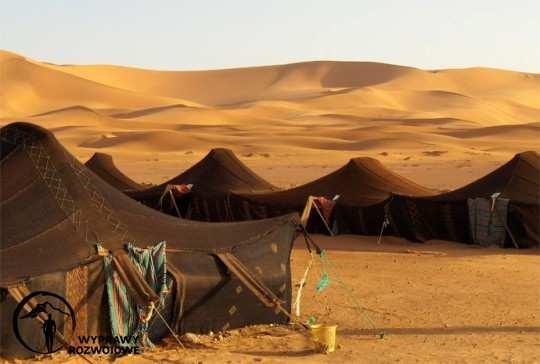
(324, 337)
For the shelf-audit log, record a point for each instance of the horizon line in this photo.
(267, 65)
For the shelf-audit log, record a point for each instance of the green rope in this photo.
(324, 282)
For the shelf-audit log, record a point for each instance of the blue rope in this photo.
(324, 282)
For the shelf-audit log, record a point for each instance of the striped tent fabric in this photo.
(127, 318)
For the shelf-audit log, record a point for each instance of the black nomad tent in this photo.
(363, 186)
(448, 216)
(202, 192)
(102, 164)
(61, 225)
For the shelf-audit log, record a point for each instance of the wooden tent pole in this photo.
(506, 228)
(322, 218)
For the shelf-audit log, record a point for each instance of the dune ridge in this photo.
(315, 115)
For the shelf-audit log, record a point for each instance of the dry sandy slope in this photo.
(290, 122)
(29, 87)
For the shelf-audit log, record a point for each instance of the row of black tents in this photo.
(67, 231)
(224, 189)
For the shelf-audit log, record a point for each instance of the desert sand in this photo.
(438, 302)
(291, 123)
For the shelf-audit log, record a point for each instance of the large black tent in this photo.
(54, 211)
(213, 178)
(446, 216)
(363, 185)
(102, 164)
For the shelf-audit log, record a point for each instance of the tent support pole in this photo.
(322, 218)
(259, 289)
(507, 229)
(173, 200)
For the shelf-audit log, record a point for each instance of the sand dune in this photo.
(229, 86)
(307, 118)
(218, 87)
(29, 88)
(505, 132)
(293, 123)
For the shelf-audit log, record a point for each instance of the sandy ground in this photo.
(436, 302)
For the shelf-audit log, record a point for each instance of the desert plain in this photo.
(435, 302)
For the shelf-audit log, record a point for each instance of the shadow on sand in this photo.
(374, 333)
(458, 330)
(285, 353)
(395, 245)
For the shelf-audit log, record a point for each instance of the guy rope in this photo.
(325, 281)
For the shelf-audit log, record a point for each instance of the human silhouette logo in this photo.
(38, 321)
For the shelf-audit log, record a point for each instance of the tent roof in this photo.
(517, 180)
(362, 181)
(220, 171)
(102, 164)
(54, 211)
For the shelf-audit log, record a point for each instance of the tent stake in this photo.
(170, 329)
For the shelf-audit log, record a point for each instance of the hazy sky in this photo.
(217, 34)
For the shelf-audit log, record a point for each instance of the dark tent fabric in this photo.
(364, 185)
(54, 211)
(446, 216)
(102, 164)
(213, 178)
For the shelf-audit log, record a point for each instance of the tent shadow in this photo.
(394, 245)
(458, 330)
(285, 353)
